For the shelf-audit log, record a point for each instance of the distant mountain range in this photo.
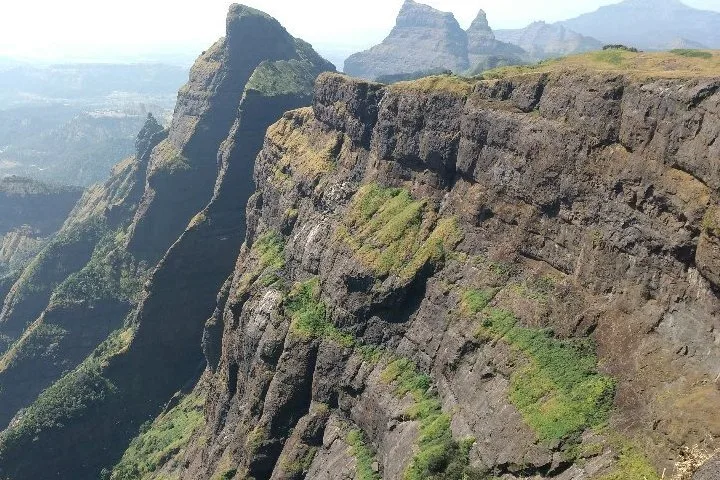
(650, 25)
(427, 41)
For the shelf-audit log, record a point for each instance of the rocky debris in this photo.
(542, 40)
(426, 40)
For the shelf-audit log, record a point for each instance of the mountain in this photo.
(649, 24)
(509, 278)
(428, 40)
(112, 310)
(30, 213)
(542, 40)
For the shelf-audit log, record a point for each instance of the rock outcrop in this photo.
(542, 40)
(456, 279)
(131, 316)
(426, 40)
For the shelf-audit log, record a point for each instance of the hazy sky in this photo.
(100, 29)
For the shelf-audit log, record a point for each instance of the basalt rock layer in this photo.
(514, 278)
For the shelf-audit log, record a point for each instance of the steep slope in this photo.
(649, 24)
(542, 40)
(202, 164)
(30, 212)
(511, 278)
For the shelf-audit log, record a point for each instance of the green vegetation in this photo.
(614, 56)
(453, 84)
(283, 77)
(76, 392)
(165, 439)
(169, 159)
(560, 393)
(309, 153)
(394, 234)
(474, 301)
(631, 464)
(309, 316)
(268, 252)
(111, 273)
(364, 456)
(439, 456)
(302, 465)
(710, 221)
(692, 53)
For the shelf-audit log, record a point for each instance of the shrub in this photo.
(364, 456)
(621, 47)
(692, 53)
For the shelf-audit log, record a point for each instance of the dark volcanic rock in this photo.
(581, 199)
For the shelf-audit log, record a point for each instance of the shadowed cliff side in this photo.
(237, 89)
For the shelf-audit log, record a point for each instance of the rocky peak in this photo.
(480, 28)
(246, 26)
(413, 14)
(148, 131)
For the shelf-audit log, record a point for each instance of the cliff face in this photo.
(428, 40)
(513, 278)
(130, 327)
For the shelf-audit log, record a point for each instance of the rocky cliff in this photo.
(428, 40)
(30, 213)
(117, 306)
(447, 279)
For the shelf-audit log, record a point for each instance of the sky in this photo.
(130, 30)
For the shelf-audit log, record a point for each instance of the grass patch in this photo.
(560, 393)
(474, 301)
(395, 235)
(309, 315)
(438, 455)
(165, 439)
(692, 53)
(283, 77)
(169, 159)
(631, 464)
(363, 455)
(310, 154)
(453, 84)
(268, 253)
(614, 56)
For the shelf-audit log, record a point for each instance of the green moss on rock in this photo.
(165, 439)
(559, 393)
(395, 235)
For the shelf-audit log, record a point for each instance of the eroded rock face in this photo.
(573, 205)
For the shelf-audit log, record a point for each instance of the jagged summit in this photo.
(480, 26)
(426, 40)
